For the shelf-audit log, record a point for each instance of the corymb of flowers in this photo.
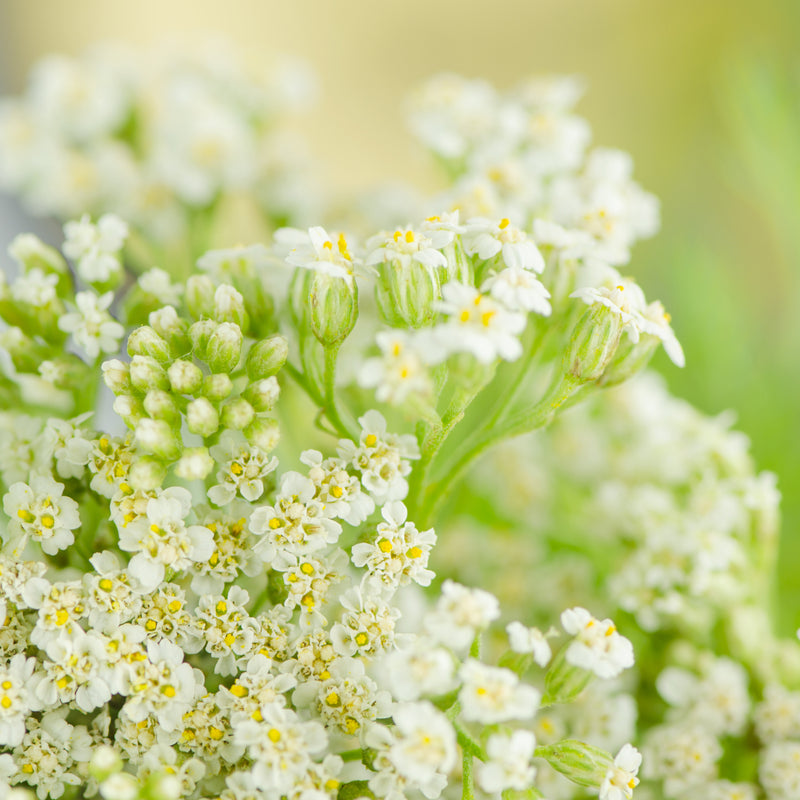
(273, 526)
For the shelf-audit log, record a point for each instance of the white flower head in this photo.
(95, 248)
(91, 326)
(487, 239)
(460, 615)
(509, 765)
(494, 694)
(597, 645)
(620, 780)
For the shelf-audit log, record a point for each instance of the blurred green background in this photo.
(705, 94)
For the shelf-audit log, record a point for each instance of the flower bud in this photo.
(564, 681)
(267, 357)
(217, 387)
(593, 343)
(166, 322)
(263, 395)
(406, 296)
(145, 341)
(185, 377)
(129, 409)
(157, 437)
(629, 359)
(160, 405)
(200, 296)
(199, 334)
(146, 373)
(229, 306)
(120, 786)
(164, 787)
(224, 348)
(264, 433)
(581, 763)
(105, 762)
(237, 414)
(195, 464)
(201, 417)
(333, 308)
(117, 376)
(30, 252)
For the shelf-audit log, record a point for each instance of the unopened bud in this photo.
(199, 334)
(116, 375)
(105, 762)
(224, 348)
(157, 437)
(263, 433)
(164, 787)
(629, 359)
(185, 377)
(267, 357)
(581, 763)
(195, 464)
(263, 395)
(593, 343)
(564, 681)
(129, 409)
(200, 296)
(201, 417)
(120, 786)
(237, 414)
(146, 373)
(145, 341)
(229, 306)
(166, 322)
(333, 308)
(217, 387)
(160, 405)
(406, 297)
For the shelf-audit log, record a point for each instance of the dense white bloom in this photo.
(620, 780)
(509, 765)
(419, 670)
(779, 770)
(597, 645)
(16, 698)
(337, 489)
(367, 625)
(777, 716)
(460, 615)
(95, 247)
(91, 325)
(494, 694)
(243, 468)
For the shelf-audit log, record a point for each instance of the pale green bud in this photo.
(201, 417)
(31, 252)
(199, 296)
(229, 306)
(263, 395)
(160, 405)
(564, 681)
(185, 377)
(263, 433)
(593, 343)
(165, 787)
(105, 762)
(130, 409)
(224, 347)
(117, 376)
(237, 414)
(121, 786)
(145, 341)
(158, 437)
(199, 334)
(146, 373)
(217, 387)
(196, 463)
(629, 359)
(166, 322)
(333, 308)
(267, 357)
(406, 296)
(581, 763)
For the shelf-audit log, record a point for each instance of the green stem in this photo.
(467, 786)
(331, 409)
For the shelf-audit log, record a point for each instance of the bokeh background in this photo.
(705, 94)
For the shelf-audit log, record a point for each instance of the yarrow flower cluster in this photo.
(240, 558)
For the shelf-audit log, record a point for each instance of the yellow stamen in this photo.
(504, 223)
(385, 546)
(371, 440)
(414, 552)
(274, 735)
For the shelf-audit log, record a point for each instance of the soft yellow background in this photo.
(664, 82)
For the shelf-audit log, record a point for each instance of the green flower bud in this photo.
(264, 433)
(267, 357)
(160, 405)
(130, 409)
(30, 252)
(217, 387)
(629, 359)
(117, 376)
(229, 306)
(166, 322)
(333, 308)
(593, 343)
(105, 762)
(120, 786)
(564, 681)
(581, 763)
(201, 417)
(406, 296)
(224, 347)
(158, 437)
(199, 296)
(263, 395)
(146, 373)
(185, 377)
(145, 341)
(195, 464)
(237, 414)
(199, 334)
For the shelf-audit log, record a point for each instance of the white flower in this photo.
(597, 645)
(494, 694)
(460, 615)
(243, 469)
(95, 248)
(400, 552)
(509, 765)
(625, 299)
(419, 670)
(404, 246)
(316, 251)
(529, 640)
(92, 327)
(620, 780)
(40, 511)
(367, 625)
(157, 283)
(683, 756)
(16, 698)
(777, 716)
(519, 290)
(487, 239)
(779, 770)
(339, 491)
(477, 325)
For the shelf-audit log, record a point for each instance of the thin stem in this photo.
(331, 409)
(467, 786)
